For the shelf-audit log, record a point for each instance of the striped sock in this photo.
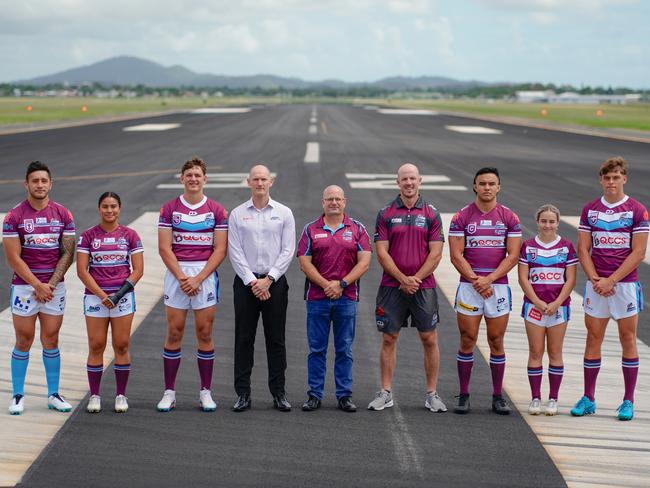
(52, 363)
(555, 374)
(630, 372)
(121, 377)
(535, 379)
(171, 363)
(498, 369)
(19, 362)
(94, 377)
(205, 360)
(464, 363)
(591, 368)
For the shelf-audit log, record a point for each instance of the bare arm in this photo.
(165, 251)
(432, 261)
(42, 291)
(456, 250)
(584, 255)
(84, 275)
(527, 288)
(632, 261)
(67, 247)
(513, 247)
(192, 284)
(137, 266)
(387, 263)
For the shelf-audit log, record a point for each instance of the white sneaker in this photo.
(207, 403)
(383, 399)
(551, 407)
(434, 403)
(94, 404)
(17, 405)
(121, 404)
(535, 407)
(58, 403)
(168, 401)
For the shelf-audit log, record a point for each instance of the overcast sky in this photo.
(595, 42)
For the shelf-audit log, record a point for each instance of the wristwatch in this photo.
(343, 284)
(271, 278)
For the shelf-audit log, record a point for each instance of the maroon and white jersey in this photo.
(547, 264)
(193, 227)
(109, 255)
(486, 236)
(612, 226)
(40, 234)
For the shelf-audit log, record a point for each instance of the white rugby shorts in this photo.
(626, 301)
(23, 301)
(93, 306)
(536, 317)
(208, 295)
(470, 302)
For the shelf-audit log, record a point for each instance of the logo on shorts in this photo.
(379, 312)
(501, 304)
(467, 307)
(471, 228)
(93, 309)
(29, 225)
(22, 303)
(631, 307)
(434, 319)
(166, 297)
(210, 297)
(535, 314)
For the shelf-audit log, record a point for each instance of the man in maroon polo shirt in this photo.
(334, 252)
(409, 240)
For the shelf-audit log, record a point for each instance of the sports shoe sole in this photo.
(64, 410)
(386, 405)
(208, 409)
(167, 409)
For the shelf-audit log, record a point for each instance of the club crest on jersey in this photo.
(29, 225)
(96, 243)
(471, 228)
(176, 218)
(593, 217)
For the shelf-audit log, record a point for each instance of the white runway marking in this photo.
(215, 180)
(150, 127)
(402, 111)
(223, 110)
(594, 450)
(313, 120)
(472, 129)
(312, 153)
(313, 129)
(23, 437)
(2, 218)
(382, 181)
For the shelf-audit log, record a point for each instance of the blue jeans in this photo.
(342, 314)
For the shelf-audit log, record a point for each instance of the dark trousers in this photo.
(274, 315)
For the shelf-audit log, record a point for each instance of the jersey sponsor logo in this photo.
(535, 314)
(485, 242)
(546, 276)
(611, 240)
(193, 238)
(396, 220)
(471, 228)
(467, 307)
(420, 221)
(486, 223)
(320, 236)
(109, 257)
(109, 240)
(28, 224)
(6, 227)
(42, 240)
(347, 235)
(275, 217)
(41, 220)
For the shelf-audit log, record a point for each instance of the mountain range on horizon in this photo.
(131, 71)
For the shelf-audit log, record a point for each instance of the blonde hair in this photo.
(547, 207)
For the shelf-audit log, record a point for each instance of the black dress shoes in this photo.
(243, 403)
(281, 403)
(311, 404)
(345, 404)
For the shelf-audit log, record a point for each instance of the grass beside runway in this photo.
(634, 116)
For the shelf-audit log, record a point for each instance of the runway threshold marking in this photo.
(383, 181)
(24, 436)
(312, 153)
(403, 111)
(223, 110)
(215, 180)
(592, 450)
(150, 127)
(473, 129)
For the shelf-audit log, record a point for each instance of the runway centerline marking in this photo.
(313, 129)
(150, 127)
(403, 111)
(473, 129)
(312, 153)
(384, 181)
(313, 120)
(586, 450)
(25, 436)
(216, 180)
(224, 110)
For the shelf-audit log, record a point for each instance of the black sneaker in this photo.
(312, 403)
(462, 406)
(345, 404)
(499, 405)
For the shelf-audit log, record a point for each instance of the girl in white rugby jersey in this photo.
(547, 275)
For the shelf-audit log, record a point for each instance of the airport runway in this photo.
(403, 446)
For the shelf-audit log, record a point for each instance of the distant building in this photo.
(573, 98)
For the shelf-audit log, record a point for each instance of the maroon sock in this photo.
(591, 369)
(464, 363)
(555, 374)
(498, 369)
(171, 362)
(94, 377)
(630, 373)
(205, 360)
(535, 374)
(121, 377)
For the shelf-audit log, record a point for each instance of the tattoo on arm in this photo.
(67, 255)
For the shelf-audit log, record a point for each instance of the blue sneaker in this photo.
(626, 410)
(584, 407)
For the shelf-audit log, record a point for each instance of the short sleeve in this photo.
(221, 219)
(135, 243)
(381, 229)
(363, 242)
(572, 258)
(165, 218)
(436, 232)
(584, 225)
(304, 244)
(83, 244)
(514, 226)
(640, 223)
(68, 224)
(523, 256)
(457, 226)
(10, 226)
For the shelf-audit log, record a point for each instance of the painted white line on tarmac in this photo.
(313, 129)
(385, 181)
(312, 153)
(403, 111)
(216, 180)
(594, 450)
(2, 218)
(224, 110)
(150, 127)
(472, 129)
(313, 120)
(25, 436)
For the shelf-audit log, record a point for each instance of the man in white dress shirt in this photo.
(261, 244)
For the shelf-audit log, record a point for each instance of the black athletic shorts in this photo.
(394, 307)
